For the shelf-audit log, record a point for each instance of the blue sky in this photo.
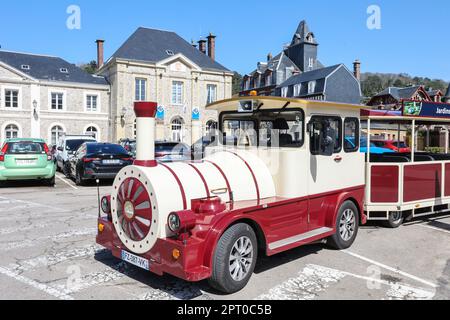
(410, 40)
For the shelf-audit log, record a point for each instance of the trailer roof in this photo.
(269, 102)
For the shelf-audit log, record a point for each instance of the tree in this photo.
(237, 81)
(90, 67)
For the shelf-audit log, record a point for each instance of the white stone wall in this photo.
(159, 77)
(74, 118)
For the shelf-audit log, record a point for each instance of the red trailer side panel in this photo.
(422, 181)
(384, 184)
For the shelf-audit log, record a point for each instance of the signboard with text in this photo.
(426, 109)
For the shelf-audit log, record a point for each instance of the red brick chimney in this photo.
(212, 46)
(357, 69)
(202, 45)
(100, 53)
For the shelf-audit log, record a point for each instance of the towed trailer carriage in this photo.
(407, 185)
(286, 173)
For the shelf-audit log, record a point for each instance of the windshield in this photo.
(73, 145)
(25, 148)
(105, 149)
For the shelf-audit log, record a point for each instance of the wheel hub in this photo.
(241, 258)
(347, 225)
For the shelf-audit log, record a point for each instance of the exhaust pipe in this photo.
(145, 133)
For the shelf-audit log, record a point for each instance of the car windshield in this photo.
(25, 147)
(170, 148)
(73, 145)
(105, 149)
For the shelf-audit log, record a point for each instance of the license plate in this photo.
(111, 161)
(135, 260)
(25, 162)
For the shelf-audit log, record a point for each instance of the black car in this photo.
(129, 145)
(172, 151)
(97, 161)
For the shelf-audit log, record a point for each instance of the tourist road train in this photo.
(283, 173)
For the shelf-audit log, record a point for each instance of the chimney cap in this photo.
(99, 40)
(211, 35)
(357, 61)
(201, 40)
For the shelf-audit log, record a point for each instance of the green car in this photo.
(27, 159)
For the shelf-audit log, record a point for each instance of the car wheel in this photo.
(66, 171)
(395, 220)
(79, 181)
(347, 225)
(234, 259)
(51, 182)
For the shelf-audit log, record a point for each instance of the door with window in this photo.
(335, 163)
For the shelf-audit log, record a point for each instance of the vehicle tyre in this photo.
(395, 220)
(66, 171)
(347, 225)
(234, 259)
(51, 182)
(79, 181)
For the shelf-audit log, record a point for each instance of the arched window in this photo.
(56, 133)
(211, 125)
(177, 129)
(11, 131)
(92, 131)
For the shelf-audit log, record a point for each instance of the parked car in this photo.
(97, 161)
(129, 145)
(67, 145)
(172, 151)
(27, 159)
(397, 146)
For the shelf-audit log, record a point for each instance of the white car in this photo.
(67, 145)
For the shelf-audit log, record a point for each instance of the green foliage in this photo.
(90, 67)
(237, 80)
(373, 83)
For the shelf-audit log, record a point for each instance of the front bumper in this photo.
(188, 267)
(28, 173)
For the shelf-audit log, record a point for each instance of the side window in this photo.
(239, 133)
(351, 135)
(325, 135)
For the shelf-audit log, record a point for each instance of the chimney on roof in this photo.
(269, 57)
(100, 53)
(212, 46)
(202, 46)
(193, 44)
(357, 69)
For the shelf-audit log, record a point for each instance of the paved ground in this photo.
(48, 251)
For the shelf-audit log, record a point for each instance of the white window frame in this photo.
(86, 100)
(297, 89)
(213, 97)
(177, 93)
(284, 92)
(6, 125)
(268, 80)
(50, 129)
(311, 63)
(142, 93)
(19, 97)
(64, 98)
(97, 132)
(177, 135)
(312, 87)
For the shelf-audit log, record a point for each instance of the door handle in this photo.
(338, 159)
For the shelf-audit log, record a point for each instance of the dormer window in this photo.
(284, 92)
(25, 67)
(169, 52)
(311, 87)
(311, 63)
(64, 70)
(297, 90)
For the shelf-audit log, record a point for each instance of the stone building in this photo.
(44, 97)
(156, 65)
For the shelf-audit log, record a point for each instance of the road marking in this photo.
(395, 270)
(66, 182)
(7, 246)
(32, 283)
(30, 203)
(315, 279)
(433, 228)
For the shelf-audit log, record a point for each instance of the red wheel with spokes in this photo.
(134, 209)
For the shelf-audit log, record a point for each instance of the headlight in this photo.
(174, 222)
(105, 204)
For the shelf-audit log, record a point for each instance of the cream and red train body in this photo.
(295, 204)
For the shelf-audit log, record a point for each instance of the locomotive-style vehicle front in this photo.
(284, 173)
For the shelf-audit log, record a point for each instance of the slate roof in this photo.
(151, 45)
(48, 68)
(308, 76)
(302, 33)
(399, 93)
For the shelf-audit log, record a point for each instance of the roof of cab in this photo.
(271, 102)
